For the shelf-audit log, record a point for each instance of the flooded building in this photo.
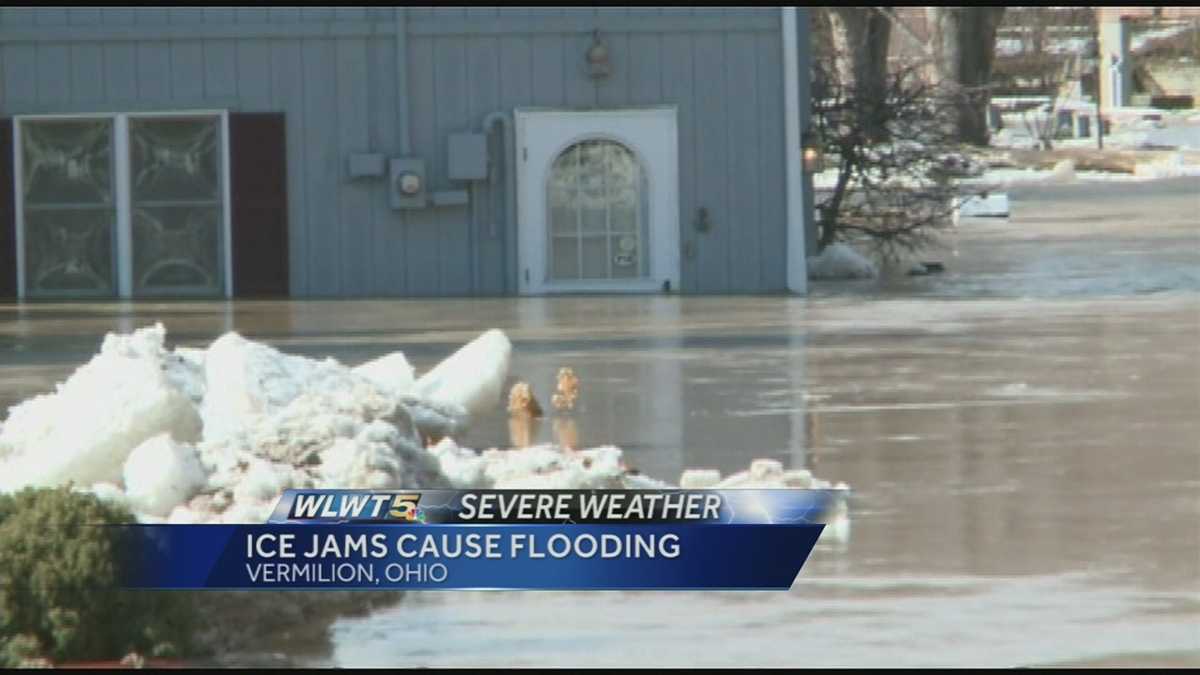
(352, 152)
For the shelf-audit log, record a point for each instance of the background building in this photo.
(348, 152)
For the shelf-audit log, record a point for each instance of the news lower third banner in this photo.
(494, 539)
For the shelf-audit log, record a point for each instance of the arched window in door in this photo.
(596, 195)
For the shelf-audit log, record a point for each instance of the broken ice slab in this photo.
(391, 371)
(86, 428)
(472, 377)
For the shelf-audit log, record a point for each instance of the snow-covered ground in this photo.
(1134, 128)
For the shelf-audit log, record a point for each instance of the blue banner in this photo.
(544, 539)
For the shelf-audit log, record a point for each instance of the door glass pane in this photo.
(69, 212)
(595, 258)
(564, 258)
(596, 201)
(175, 185)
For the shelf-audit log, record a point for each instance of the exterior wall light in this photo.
(814, 158)
(597, 58)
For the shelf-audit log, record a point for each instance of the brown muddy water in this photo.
(1021, 435)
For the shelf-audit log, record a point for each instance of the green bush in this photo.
(58, 575)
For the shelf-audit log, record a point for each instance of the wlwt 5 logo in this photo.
(404, 507)
(349, 506)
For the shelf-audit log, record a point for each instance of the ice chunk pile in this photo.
(133, 390)
(217, 434)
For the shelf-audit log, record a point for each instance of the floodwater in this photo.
(1020, 433)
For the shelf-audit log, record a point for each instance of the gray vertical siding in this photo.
(333, 72)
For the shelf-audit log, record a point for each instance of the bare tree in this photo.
(896, 156)
(964, 43)
(858, 43)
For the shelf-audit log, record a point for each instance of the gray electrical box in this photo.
(467, 156)
(406, 183)
(365, 165)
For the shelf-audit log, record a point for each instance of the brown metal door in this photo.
(258, 204)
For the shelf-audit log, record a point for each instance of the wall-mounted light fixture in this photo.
(814, 156)
(597, 58)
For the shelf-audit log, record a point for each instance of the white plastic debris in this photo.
(160, 474)
(392, 372)
(991, 205)
(471, 377)
(84, 431)
(839, 261)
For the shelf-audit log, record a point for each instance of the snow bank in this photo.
(1172, 166)
(471, 377)
(83, 432)
(839, 261)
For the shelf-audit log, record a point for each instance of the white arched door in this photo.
(598, 201)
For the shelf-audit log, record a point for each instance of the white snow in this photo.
(471, 377)
(839, 261)
(1173, 165)
(84, 431)
(160, 474)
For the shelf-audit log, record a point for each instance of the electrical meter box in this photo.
(406, 183)
(467, 155)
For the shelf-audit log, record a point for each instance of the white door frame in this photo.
(660, 159)
(123, 231)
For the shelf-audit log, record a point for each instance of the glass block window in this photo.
(68, 207)
(596, 196)
(122, 205)
(175, 188)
